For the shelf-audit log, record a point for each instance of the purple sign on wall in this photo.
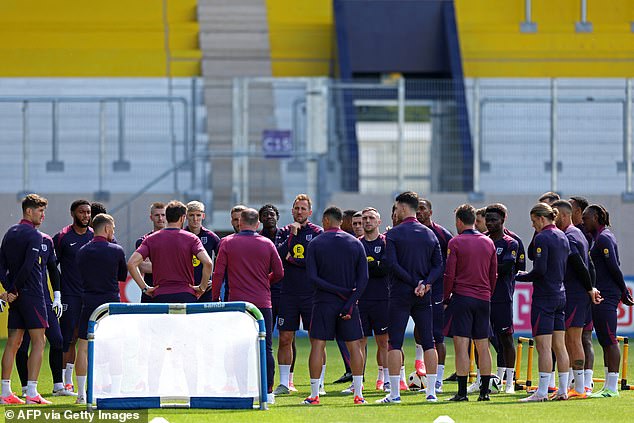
(277, 143)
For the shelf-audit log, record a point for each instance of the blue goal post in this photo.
(198, 355)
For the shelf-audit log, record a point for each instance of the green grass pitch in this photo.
(336, 407)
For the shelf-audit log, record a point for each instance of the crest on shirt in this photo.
(44, 247)
(499, 250)
(203, 239)
(377, 249)
(606, 252)
(538, 252)
(309, 237)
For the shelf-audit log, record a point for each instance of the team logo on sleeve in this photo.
(522, 257)
(606, 252)
(195, 261)
(499, 250)
(203, 239)
(513, 253)
(298, 251)
(448, 251)
(309, 237)
(370, 258)
(377, 249)
(538, 252)
(44, 247)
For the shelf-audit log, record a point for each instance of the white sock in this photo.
(579, 379)
(587, 378)
(386, 375)
(440, 373)
(510, 375)
(395, 391)
(290, 379)
(379, 376)
(323, 375)
(563, 383)
(403, 374)
(431, 385)
(357, 385)
(81, 386)
(115, 387)
(500, 372)
(58, 386)
(419, 352)
(314, 388)
(31, 388)
(612, 381)
(68, 374)
(571, 376)
(478, 377)
(6, 387)
(285, 369)
(553, 378)
(544, 381)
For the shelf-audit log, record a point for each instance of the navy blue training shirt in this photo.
(578, 245)
(294, 246)
(101, 265)
(412, 254)
(377, 288)
(20, 251)
(336, 265)
(67, 244)
(551, 250)
(605, 255)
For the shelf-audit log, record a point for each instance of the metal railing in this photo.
(122, 163)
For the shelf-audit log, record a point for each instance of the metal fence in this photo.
(521, 127)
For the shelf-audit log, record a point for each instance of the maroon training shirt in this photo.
(171, 251)
(251, 264)
(471, 266)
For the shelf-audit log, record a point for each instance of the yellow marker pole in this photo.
(518, 363)
(529, 370)
(626, 351)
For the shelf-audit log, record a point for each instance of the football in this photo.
(416, 382)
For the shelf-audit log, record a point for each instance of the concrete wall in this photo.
(518, 220)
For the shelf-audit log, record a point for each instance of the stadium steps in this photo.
(234, 40)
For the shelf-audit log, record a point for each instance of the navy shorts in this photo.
(502, 318)
(89, 305)
(468, 317)
(420, 309)
(374, 316)
(326, 324)
(206, 297)
(547, 315)
(53, 333)
(604, 316)
(438, 309)
(27, 312)
(578, 311)
(69, 322)
(177, 297)
(292, 307)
